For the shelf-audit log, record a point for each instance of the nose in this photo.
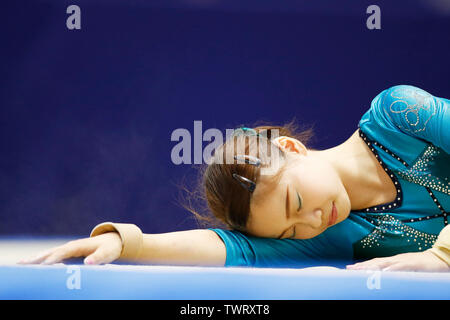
(316, 218)
(313, 218)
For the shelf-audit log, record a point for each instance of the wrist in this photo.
(130, 235)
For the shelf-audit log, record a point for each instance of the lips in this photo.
(333, 215)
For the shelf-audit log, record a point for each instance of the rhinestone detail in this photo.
(418, 172)
(398, 200)
(388, 224)
(428, 154)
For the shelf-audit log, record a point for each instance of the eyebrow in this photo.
(287, 203)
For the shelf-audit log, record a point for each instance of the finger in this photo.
(374, 264)
(362, 265)
(398, 267)
(370, 261)
(100, 256)
(36, 259)
(57, 256)
(71, 249)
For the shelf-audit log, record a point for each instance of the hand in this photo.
(413, 261)
(101, 249)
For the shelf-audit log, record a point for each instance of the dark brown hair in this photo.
(220, 200)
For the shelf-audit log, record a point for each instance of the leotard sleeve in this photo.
(415, 112)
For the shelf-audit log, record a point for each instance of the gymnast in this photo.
(379, 200)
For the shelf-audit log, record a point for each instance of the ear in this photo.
(288, 144)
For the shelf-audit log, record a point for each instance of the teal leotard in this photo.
(408, 130)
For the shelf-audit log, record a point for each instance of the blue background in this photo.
(86, 115)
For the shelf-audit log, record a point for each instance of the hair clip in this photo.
(246, 183)
(245, 131)
(248, 159)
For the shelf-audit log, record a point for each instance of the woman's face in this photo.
(300, 205)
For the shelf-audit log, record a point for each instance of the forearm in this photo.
(193, 247)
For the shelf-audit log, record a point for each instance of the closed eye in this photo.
(299, 207)
(299, 202)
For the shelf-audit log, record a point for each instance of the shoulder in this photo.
(404, 98)
(412, 111)
(408, 107)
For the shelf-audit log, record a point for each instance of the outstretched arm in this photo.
(116, 241)
(201, 247)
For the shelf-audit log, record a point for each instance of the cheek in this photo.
(304, 233)
(263, 219)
